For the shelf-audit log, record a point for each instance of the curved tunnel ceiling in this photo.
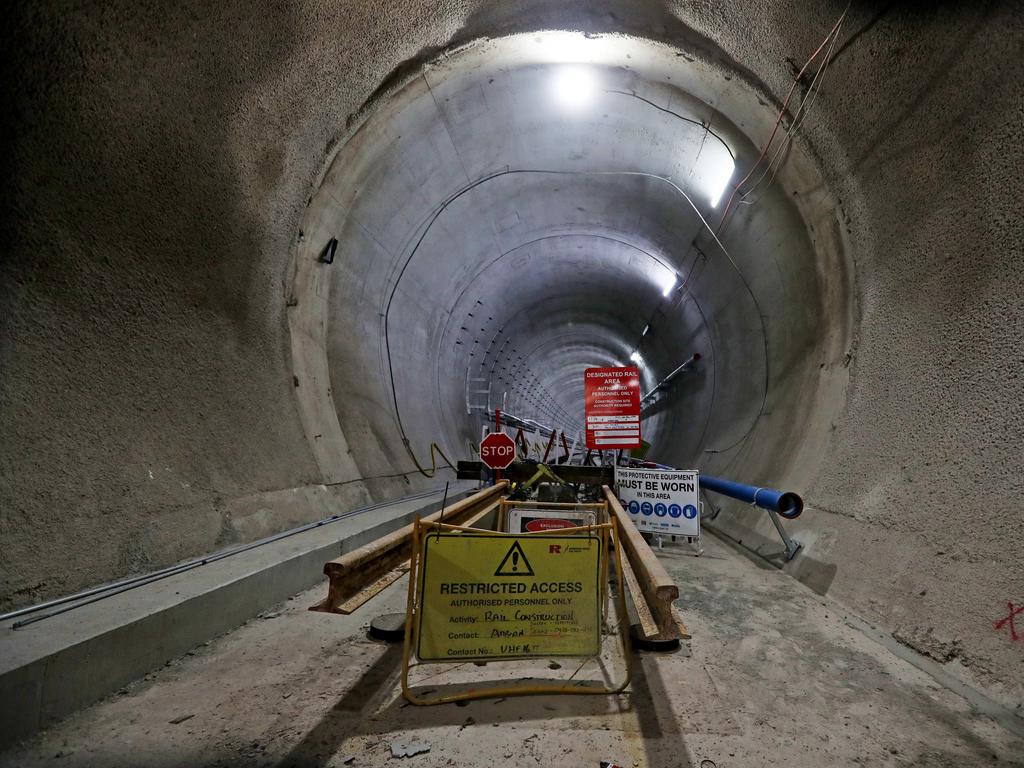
(524, 209)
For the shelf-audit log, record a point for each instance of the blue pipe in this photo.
(786, 503)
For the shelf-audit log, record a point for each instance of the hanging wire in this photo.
(778, 121)
(782, 151)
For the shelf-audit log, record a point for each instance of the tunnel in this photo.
(463, 204)
(269, 265)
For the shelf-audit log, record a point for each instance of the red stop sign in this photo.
(497, 450)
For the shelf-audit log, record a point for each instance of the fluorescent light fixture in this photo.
(574, 86)
(667, 283)
(636, 357)
(646, 329)
(713, 170)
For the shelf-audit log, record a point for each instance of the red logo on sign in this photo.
(548, 524)
(497, 450)
(612, 407)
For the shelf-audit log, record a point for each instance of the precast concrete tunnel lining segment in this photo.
(475, 206)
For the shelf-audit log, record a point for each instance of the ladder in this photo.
(478, 394)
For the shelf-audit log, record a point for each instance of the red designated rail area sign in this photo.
(612, 407)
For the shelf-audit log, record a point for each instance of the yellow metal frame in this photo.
(609, 535)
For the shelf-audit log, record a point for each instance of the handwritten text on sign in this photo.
(508, 597)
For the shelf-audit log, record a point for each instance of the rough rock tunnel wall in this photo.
(176, 375)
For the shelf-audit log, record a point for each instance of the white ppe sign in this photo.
(661, 501)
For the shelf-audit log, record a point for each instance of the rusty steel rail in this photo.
(657, 590)
(359, 575)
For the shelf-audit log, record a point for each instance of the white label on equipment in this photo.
(522, 520)
(661, 500)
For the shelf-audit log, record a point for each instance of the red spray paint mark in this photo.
(1008, 619)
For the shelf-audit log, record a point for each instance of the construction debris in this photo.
(410, 749)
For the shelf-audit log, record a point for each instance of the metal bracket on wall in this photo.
(792, 545)
(715, 511)
(327, 254)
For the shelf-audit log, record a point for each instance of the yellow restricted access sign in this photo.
(509, 597)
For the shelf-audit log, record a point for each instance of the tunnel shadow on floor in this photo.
(663, 739)
(358, 713)
(321, 743)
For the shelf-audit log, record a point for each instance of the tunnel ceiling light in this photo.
(636, 357)
(713, 171)
(667, 284)
(574, 86)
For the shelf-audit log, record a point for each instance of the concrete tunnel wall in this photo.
(178, 373)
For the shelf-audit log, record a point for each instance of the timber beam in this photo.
(520, 472)
(359, 575)
(656, 587)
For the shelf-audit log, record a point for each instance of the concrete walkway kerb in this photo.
(54, 667)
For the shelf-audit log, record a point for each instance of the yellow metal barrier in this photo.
(539, 564)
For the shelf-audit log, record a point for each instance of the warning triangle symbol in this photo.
(514, 563)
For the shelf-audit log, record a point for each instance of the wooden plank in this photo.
(563, 505)
(684, 633)
(648, 626)
(355, 571)
(453, 514)
(472, 522)
(657, 586)
(389, 578)
(373, 590)
(520, 472)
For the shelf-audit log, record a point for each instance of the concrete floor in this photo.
(774, 675)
